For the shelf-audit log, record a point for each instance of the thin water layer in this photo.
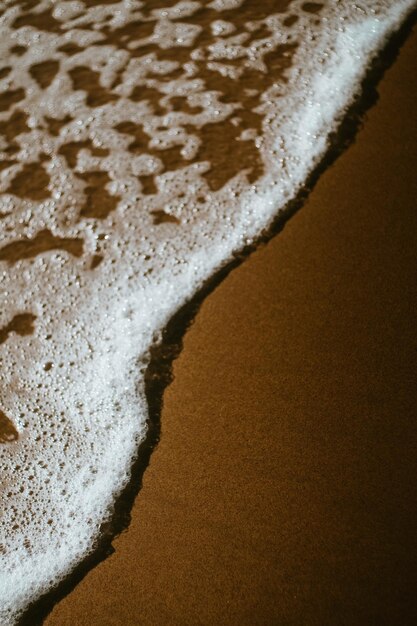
(142, 144)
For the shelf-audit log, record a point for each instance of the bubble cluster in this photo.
(141, 145)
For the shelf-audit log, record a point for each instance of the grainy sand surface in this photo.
(283, 488)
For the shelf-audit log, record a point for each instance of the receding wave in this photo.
(142, 144)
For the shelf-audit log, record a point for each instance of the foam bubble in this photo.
(142, 145)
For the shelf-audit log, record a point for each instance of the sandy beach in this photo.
(283, 487)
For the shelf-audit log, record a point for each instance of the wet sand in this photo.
(283, 488)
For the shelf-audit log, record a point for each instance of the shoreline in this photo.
(87, 619)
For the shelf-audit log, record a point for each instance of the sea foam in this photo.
(143, 144)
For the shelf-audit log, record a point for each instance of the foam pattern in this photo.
(142, 145)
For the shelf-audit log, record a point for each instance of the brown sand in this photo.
(283, 488)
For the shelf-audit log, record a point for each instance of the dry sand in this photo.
(283, 489)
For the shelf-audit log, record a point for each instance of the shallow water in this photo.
(141, 148)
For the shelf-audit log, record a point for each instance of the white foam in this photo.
(80, 422)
